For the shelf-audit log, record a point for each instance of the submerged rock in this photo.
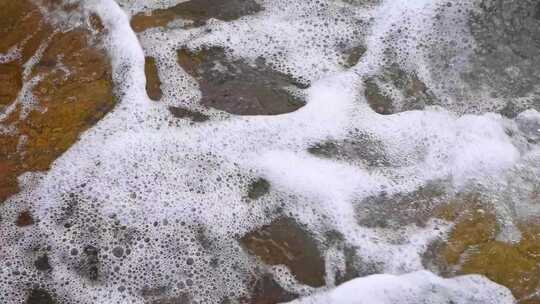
(11, 80)
(472, 248)
(195, 116)
(362, 149)
(153, 83)
(181, 299)
(197, 11)
(39, 296)
(72, 91)
(24, 219)
(42, 263)
(396, 90)
(258, 188)
(352, 55)
(240, 87)
(395, 211)
(507, 56)
(266, 291)
(285, 242)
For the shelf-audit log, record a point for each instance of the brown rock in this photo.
(504, 264)
(39, 296)
(472, 248)
(353, 55)
(74, 92)
(24, 219)
(238, 87)
(153, 84)
(285, 242)
(198, 11)
(379, 101)
(415, 94)
(398, 210)
(258, 188)
(10, 82)
(267, 291)
(195, 116)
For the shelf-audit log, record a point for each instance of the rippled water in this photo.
(265, 151)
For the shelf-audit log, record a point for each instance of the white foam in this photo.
(413, 288)
(149, 182)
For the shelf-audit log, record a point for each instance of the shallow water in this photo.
(265, 151)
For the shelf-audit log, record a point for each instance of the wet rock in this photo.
(353, 265)
(475, 224)
(39, 296)
(258, 188)
(285, 242)
(239, 87)
(153, 84)
(195, 116)
(395, 211)
(529, 244)
(508, 52)
(529, 123)
(42, 263)
(351, 270)
(183, 298)
(267, 291)
(10, 82)
(396, 90)
(118, 252)
(73, 92)
(363, 149)
(379, 101)
(472, 248)
(21, 25)
(504, 264)
(90, 263)
(353, 55)
(24, 219)
(197, 11)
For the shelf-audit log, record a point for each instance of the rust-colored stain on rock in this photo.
(72, 92)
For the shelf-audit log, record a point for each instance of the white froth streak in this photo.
(274, 146)
(413, 288)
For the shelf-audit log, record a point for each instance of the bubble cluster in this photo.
(152, 207)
